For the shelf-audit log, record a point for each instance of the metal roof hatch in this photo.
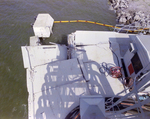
(92, 107)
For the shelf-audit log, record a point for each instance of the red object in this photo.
(116, 72)
(130, 68)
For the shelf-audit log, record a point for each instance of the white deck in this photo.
(55, 84)
(56, 88)
(38, 55)
(93, 49)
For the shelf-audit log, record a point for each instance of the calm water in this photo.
(15, 19)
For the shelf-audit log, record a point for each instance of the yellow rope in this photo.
(85, 21)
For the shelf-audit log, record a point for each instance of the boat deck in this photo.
(55, 83)
(98, 51)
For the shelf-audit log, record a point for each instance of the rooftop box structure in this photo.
(43, 25)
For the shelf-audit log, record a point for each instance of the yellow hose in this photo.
(85, 21)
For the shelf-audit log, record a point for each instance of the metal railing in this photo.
(121, 28)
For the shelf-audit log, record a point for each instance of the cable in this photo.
(114, 54)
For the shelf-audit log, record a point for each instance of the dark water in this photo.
(15, 19)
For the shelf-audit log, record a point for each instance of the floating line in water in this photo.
(101, 24)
